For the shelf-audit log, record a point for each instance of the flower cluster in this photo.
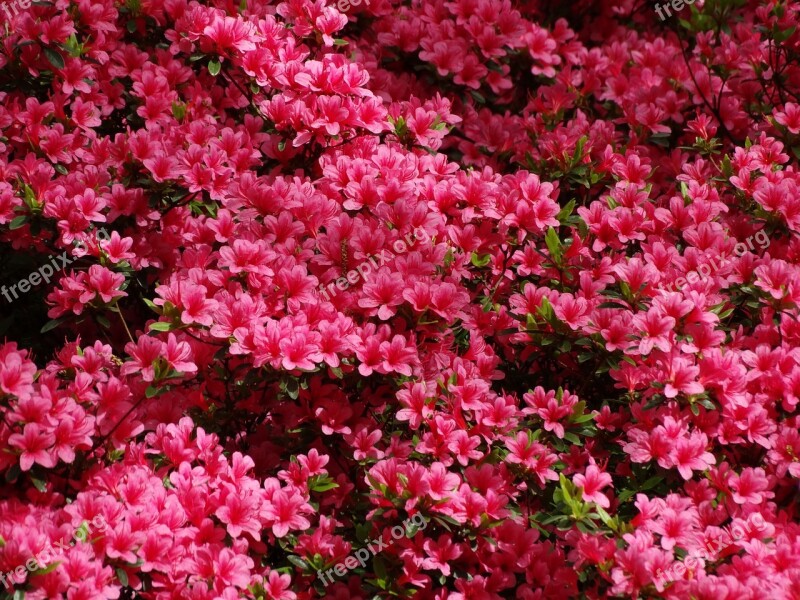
(529, 383)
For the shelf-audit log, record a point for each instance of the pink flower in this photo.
(284, 512)
(591, 482)
(690, 455)
(230, 33)
(440, 554)
(399, 355)
(35, 444)
(122, 543)
(789, 117)
(533, 456)
(144, 353)
(365, 445)
(277, 586)
(233, 569)
(384, 293)
(178, 355)
(751, 487)
(16, 372)
(682, 378)
(239, 512)
(300, 351)
(105, 284)
(656, 329)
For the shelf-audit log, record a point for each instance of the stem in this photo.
(124, 324)
(713, 110)
(125, 416)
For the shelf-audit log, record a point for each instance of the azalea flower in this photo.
(591, 482)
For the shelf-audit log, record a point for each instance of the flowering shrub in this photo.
(531, 365)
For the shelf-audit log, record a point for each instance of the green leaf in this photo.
(546, 310)
(379, 568)
(578, 154)
(29, 197)
(565, 212)
(54, 57)
(72, 46)
(478, 97)
(412, 531)
(605, 517)
(83, 530)
(553, 245)
(324, 487)
(323, 484)
(610, 304)
(160, 326)
(480, 261)
(152, 391)
(39, 484)
(178, 111)
(298, 562)
(339, 42)
(122, 576)
(152, 305)
(583, 418)
(446, 521)
(552, 519)
(292, 388)
(656, 400)
(782, 36)
(583, 527)
(652, 482)
(448, 258)
(13, 473)
(685, 192)
(727, 313)
(18, 222)
(214, 67)
(565, 487)
(52, 324)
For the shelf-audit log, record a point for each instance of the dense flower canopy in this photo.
(521, 278)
